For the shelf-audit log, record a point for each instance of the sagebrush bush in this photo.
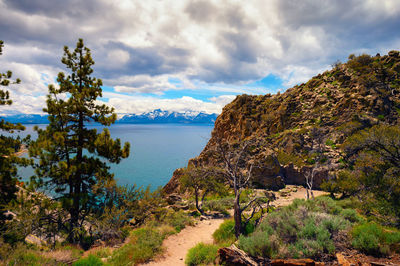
(351, 215)
(302, 229)
(259, 244)
(220, 205)
(201, 254)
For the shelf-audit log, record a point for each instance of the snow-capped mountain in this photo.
(155, 117)
(26, 118)
(159, 117)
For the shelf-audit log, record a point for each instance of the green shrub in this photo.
(220, 205)
(335, 223)
(259, 244)
(201, 254)
(302, 229)
(91, 260)
(372, 239)
(178, 220)
(225, 234)
(351, 215)
(393, 237)
(144, 244)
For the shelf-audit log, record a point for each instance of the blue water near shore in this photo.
(156, 151)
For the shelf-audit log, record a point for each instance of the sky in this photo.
(187, 55)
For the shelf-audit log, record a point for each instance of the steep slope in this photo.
(332, 105)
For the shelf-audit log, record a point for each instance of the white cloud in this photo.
(207, 44)
(139, 104)
(118, 57)
(142, 84)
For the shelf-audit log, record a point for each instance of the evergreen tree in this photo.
(72, 157)
(8, 147)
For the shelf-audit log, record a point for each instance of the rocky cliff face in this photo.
(320, 113)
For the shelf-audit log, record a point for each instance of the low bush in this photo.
(302, 229)
(201, 254)
(351, 215)
(220, 205)
(91, 260)
(260, 244)
(373, 239)
(178, 220)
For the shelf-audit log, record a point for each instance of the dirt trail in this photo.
(177, 246)
(294, 192)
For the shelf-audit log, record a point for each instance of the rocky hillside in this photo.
(324, 111)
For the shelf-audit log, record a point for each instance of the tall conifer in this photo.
(72, 156)
(8, 147)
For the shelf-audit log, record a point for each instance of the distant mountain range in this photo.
(155, 117)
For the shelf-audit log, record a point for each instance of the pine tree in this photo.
(72, 156)
(8, 147)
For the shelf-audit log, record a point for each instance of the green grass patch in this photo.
(373, 239)
(24, 256)
(202, 254)
(225, 234)
(91, 260)
(144, 244)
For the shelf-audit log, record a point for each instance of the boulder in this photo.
(294, 175)
(266, 171)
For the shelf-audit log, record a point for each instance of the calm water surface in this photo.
(156, 151)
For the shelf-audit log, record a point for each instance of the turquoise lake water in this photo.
(156, 151)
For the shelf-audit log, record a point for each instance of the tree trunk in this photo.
(196, 195)
(237, 215)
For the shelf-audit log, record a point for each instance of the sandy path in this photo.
(295, 192)
(176, 246)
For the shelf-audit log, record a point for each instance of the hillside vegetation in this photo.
(325, 111)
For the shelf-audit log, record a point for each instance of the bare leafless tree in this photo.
(237, 169)
(317, 138)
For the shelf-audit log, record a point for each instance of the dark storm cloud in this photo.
(354, 23)
(142, 60)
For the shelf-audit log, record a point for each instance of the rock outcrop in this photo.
(335, 104)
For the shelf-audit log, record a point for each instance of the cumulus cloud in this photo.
(140, 104)
(139, 45)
